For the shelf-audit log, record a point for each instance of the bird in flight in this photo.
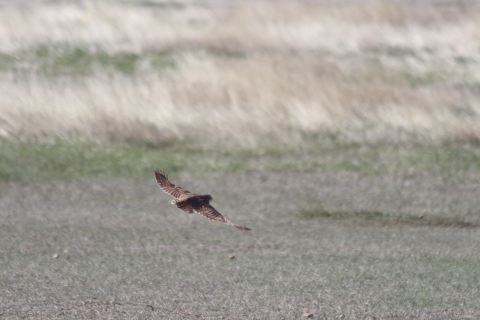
(192, 202)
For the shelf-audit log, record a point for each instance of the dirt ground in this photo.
(370, 247)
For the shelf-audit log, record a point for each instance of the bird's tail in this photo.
(243, 228)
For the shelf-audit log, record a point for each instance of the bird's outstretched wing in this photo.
(168, 187)
(211, 213)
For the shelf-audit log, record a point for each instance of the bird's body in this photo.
(192, 202)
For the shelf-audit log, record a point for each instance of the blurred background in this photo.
(241, 73)
(345, 133)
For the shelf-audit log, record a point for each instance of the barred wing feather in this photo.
(168, 187)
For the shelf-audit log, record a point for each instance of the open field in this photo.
(346, 134)
(241, 74)
(79, 239)
(124, 251)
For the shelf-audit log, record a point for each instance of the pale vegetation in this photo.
(241, 73)
(345, 133)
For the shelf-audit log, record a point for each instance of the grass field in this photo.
(241, 74)
(86, 233)
(345, 134)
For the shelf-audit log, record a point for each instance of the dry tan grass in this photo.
(361, 71)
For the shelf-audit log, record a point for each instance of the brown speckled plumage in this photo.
(192, 202)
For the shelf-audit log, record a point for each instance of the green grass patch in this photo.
(68, 160)
(162, 4)
(64, 60)
(377, 72)
(368, 218)
(55, 61)
(446, 160)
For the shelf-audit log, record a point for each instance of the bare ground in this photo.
(118, 249)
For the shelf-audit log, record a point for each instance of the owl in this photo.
(192, 202)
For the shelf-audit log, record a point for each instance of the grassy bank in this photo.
(73, 160)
